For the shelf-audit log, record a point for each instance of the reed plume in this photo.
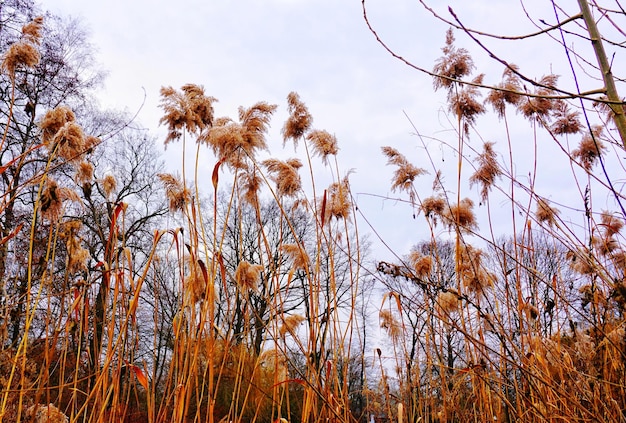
(405, 174)
(178, 195)
(24, 52)
(299, 121)
(487, 171)
(589, 149)
(247, 275)
(453, 65)
(285, 174)
(324, 144)
(186, 110)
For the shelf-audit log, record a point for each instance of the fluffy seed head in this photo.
(461, 215)
(338, 203)
(177, 194)
(464, 103)
(24, 53)
(604, 245)
(247, 275)
(52, 122)
(285, 174)
(488, 170)
(32, 30)
(453, 65)
(433, 206)
(539, 108)
(390, 324)
(299, 121)
(545, 213)
(611, 223)
(109, 184)
(299, 257)
(84, 172)
(421, 264)
(51, 203)
(20, 54)
(195, 285)
(405, 173)
(186, 110)
(589, 149)
(69, 141)
(290, 324)
(448, 301)
(506, 92)
(580, 262)
(565, 120)
(77, 255)
(324, 144)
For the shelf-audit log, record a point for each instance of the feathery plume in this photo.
(226, 139)
(589, 149)
(545, 213)
(611, 223)
(52, 122)
(421, 264)
(506, 92)
(233, 142)
(405, 174)
(84, 173)
(77, 256)
(338, 201)
(580, 262)
(461, 215)
(189, 109)
(178, 195)
(32, 31)
(462, 102)
(290, 324)
(69, 141)
(247, 275)
(300, 259)
(433, 207)
(324, 144)
(195, 283)
(487, 172)
(109, 184)
(285, 174)
(471, 270)
(24, 53)
(604, 245)
(255, 122)
(251, 183)
(565, 121)
(390, 324)
(453, 65)
(448, 301)
(538, 108)
(20, 54)
(299, 121)
(51, 202)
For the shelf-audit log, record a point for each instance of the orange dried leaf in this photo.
(12, 234)
(141, 377)
(215, 176)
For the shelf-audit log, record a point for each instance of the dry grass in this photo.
(257, 308)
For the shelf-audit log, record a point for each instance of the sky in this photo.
(247, 51)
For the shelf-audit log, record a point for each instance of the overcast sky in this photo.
(246, 51)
